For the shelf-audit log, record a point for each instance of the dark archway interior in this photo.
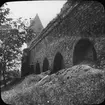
(84, 50)
(37, 68)
(31, 69)
(58, 63)
(45, 65)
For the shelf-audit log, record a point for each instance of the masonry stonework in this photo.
(81, 21)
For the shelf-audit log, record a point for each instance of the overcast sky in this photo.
(46, 10)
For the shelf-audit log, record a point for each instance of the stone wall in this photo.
(85, 20)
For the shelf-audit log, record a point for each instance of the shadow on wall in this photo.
(84, 51)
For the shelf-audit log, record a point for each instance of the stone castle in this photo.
(74, 36)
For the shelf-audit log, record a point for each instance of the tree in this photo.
(3, 13)
(12, 35)
(23, 27)
(11, 42)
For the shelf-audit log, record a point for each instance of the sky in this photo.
(46, 10)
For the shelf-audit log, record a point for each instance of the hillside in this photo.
(79, 85)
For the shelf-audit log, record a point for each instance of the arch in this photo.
(31, 69)
(58, 63)
(45, 65)
(84, 50)
(37, 70)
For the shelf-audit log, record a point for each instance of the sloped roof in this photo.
(36, 25)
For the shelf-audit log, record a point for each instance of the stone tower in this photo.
(36, 26)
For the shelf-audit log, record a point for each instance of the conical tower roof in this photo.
(36, 24)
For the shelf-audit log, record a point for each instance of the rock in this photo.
(79, 85)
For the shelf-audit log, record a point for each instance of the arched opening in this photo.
(45, 65)
(37, 70)
(58, 63)
(84, 51)
(31, 69)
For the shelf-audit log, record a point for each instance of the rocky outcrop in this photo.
(79, 85)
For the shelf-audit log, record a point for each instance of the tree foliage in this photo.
(11, 39)
(3, 13)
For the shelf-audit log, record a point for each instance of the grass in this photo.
(84, 83)
(12, 83)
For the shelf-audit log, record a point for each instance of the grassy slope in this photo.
(75, 86)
